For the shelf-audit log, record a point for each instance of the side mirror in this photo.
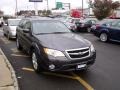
(26, 30)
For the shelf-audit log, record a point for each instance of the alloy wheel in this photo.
(34, 61)
(103, 37)
(89, 30)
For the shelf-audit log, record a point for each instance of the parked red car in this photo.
(76, 13)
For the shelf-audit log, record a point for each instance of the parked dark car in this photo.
(52, 46)
(85, 24)
(105, 22)
(108, 31)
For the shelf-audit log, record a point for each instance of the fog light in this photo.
(51, 66)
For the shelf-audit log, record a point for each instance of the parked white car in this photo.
(9, 29)
(1, 22)
(71, 23)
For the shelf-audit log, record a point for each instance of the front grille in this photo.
(78, 53)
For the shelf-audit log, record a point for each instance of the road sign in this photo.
(35, 0)
(59, 5)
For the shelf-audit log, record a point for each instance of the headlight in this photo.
(54, 53)
(92, 48)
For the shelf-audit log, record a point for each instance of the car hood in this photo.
(62, 41)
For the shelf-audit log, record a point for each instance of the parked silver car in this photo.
(9, 29)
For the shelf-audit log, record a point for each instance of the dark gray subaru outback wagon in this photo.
(53, 46)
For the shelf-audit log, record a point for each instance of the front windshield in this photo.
(40, 27)
(13, 22)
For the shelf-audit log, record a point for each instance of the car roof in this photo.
(40, 19)
(106, 21)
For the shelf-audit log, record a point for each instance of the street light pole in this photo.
(47, 5)
(16, 8)
(82, 8)
(55, 3)
(36, 9)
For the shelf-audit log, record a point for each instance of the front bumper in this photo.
(65, 64)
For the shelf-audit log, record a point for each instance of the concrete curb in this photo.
(15, 82)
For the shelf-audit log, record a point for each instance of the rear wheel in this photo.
(36, 63)
(103, 37)
(88, 30)
(19, 47)
(8, 36)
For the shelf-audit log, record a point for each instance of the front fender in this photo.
(104, 31)
(36, 48)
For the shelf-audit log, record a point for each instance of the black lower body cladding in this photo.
(65, 64)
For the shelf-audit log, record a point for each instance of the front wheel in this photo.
(8, 36)
(88, 30)
(36, 63)
(103, 37)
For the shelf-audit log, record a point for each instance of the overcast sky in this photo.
(8, 6)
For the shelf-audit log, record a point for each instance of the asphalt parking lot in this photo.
(103, 75)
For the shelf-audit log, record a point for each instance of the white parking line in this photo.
(6, 41)
(19, 55)
(15, 50)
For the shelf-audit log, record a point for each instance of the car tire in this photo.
(8, 36)
(88, 30)
(104, 37)
(36, 63)
(19, 47)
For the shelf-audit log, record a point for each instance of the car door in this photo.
(27, 37)
(117, 32)
(19, 31)
(114, 31)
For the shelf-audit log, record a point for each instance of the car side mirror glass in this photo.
(26, 30)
